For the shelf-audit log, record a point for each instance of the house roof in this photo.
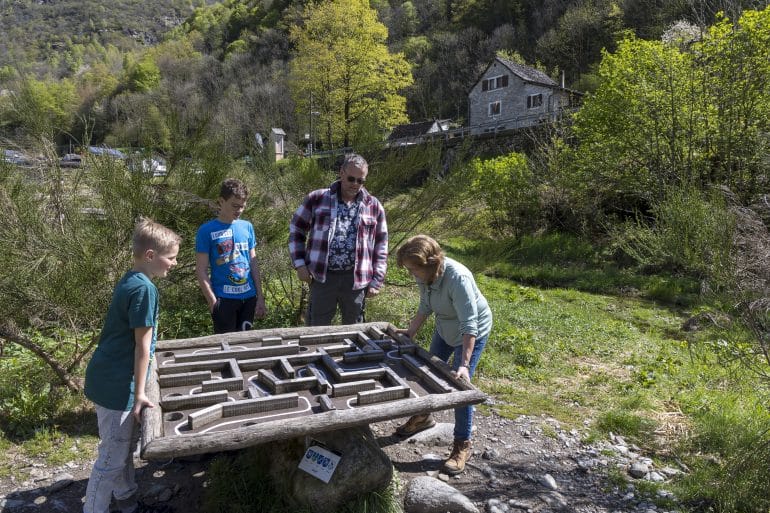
(527, 73)
(413, 129)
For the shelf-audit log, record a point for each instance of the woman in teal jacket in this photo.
(463, 324)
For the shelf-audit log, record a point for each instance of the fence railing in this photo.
(496, 126)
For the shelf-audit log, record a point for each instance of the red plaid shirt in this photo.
(312, 227)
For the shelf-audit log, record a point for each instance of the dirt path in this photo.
(529, 464)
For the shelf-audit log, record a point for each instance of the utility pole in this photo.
(311, 124)
(313, 113)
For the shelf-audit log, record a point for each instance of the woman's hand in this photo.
(462, 373)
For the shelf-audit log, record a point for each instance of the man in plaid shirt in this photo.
(338, 241)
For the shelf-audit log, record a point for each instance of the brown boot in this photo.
(416, 424)
(461, 453)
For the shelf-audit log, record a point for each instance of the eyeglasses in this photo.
(353, 179)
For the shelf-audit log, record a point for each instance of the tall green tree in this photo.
(638, 132)
(665, 116)
(343, 64)
(736, 94)
(44, 109)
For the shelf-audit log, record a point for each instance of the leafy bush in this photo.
(505, 184)
(689, 232)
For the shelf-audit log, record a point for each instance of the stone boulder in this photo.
(363, 468)
(425, 494)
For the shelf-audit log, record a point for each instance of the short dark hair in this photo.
(355, 160)
(233, 187)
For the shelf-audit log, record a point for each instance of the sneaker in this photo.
(416, 424)
(461, 453)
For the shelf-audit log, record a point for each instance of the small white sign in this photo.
(320, 462)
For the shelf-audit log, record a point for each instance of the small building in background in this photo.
(510, 95)
(415, 133)
(278, 143)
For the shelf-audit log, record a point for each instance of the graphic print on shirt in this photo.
(342, 250)
(234, 256)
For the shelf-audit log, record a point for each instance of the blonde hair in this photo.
(151, 235)
(423, 252)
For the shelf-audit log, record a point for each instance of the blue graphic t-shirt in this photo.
(228, 247)
(342, 250)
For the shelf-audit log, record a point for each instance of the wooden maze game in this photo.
(231, 391)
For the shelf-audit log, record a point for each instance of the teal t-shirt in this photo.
(110, 373)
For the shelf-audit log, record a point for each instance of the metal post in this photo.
(311, 124)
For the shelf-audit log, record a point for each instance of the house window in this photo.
(534, 100)
(489, 84)
(494, 109)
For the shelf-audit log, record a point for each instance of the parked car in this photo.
(16, 158)
(71, 160)
(156, 166)
(104, 151)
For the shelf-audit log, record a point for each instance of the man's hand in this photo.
(303, 274)
(370, 292)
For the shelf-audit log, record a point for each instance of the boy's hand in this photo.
(140, 403)
(261, 310)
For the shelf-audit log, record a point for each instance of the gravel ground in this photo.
(527, 464)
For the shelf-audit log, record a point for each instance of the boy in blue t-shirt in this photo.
(117, 372)
(225, 247)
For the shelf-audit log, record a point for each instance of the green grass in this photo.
(577, 339)
(57, 448)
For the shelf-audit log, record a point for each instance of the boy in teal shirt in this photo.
(118, 370)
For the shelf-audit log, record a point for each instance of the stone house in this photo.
(509, 95)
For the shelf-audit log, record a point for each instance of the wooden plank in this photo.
(385, 394)
(425, 373)
(184, 379)
(352, 387)
(152, 418)
(163, 448)
(242, 337)
(193, 401)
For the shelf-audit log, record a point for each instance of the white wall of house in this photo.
(510, 102)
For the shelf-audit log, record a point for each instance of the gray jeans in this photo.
(337, 290)
(113, 472)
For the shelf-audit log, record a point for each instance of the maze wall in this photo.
(216, 392)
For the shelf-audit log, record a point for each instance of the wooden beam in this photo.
(247, 436)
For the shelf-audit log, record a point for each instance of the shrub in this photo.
(689, 232)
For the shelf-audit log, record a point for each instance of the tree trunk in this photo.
(12, 335)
